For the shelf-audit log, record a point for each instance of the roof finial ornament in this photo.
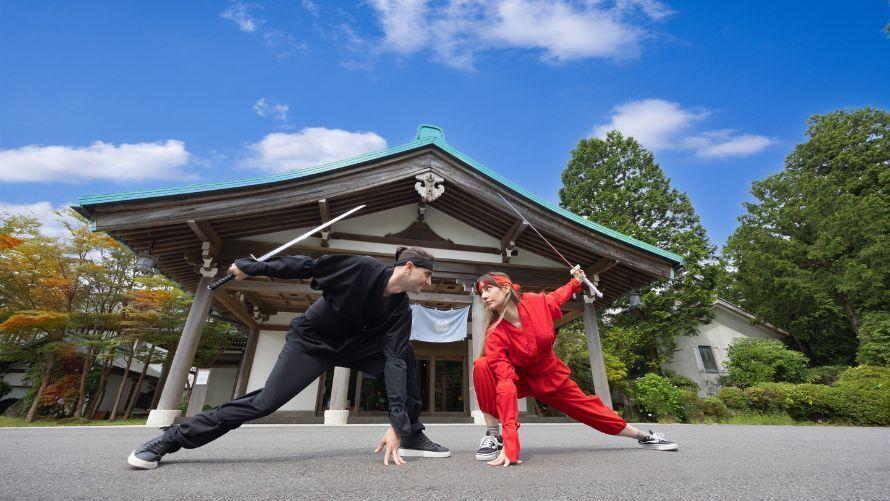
(429, 186)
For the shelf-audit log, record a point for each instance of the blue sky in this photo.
(99, 97)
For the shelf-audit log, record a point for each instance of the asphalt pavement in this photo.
(560, 461)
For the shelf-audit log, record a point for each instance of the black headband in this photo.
(419, 261)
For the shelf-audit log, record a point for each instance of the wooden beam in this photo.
(601, 266)
(325, 213)
(568, 317)
(206, 233)
(509, 239)
(234, 307)
(275, 327)
(279, 287)
(412, 242)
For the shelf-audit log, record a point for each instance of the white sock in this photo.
(494, 431)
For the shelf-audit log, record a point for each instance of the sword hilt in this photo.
(221, 281)
(593, 290)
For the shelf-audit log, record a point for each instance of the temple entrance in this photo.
(443, 380)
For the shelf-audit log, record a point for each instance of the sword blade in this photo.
(536, 231)
(308, 234)
(589, 284)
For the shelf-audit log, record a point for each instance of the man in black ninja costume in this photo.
(362, 321)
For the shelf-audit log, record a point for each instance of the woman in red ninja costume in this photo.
(518, 361)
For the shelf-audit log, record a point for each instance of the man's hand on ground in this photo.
(390, 445)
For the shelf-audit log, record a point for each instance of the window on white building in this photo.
(708, 360)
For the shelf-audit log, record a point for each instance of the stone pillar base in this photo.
(162, 417)
(478, 417)
(336, 416)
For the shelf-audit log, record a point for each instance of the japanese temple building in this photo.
(424, 193)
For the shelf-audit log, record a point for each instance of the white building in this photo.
(702, 357)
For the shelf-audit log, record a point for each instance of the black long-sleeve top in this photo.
(352, 304)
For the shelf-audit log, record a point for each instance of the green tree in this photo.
(812, 253)
(616, 182)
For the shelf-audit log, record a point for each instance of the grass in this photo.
(769, 419)
(10, 422)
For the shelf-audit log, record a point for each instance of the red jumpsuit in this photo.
(520, 362)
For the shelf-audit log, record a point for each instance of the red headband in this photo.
(498, 280)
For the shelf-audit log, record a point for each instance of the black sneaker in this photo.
(147, 455)
(489, 447)
(658, 442)
(419, 445)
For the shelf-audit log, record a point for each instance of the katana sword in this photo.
(275, 251)
(593, 289)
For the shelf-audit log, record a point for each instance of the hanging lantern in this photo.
(146, 262)
(635, 300)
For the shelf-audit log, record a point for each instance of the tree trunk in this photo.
(88, 362)
(103, 383)
(134, 395)
(162, 379)
(120, 388)
(32, 412)
(851, 314)
(805, 348)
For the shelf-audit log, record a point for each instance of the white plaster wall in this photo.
(395, 220)
(269, 344)
(725, 328)
(220, 385)
(114, 381)
(17, 381)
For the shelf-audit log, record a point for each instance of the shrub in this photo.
(657, 397)
(769, 397)
(753, 361)
(866, 377)
(862, 406)
(692, 408)
(733, 397)
(4, 388)
(682, 382)
(826, 374)
(863, 395)
(715, 408)
(812, 402)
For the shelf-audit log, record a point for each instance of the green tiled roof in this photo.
(426, 135)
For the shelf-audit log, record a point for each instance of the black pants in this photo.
(305, 356)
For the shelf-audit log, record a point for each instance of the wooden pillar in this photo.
(337, 412)
(595, 348)
(247, 362)
(478, 317)
(171, 396)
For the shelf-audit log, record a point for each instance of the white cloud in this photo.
(559, 30)
(51, 223)
(279, 152)
(238, 14)
(271, 109)
(311, 7)
(738, 146)
(403, 23)
(655, 123)
(663, 125)
(282, 43)
(124, 162)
